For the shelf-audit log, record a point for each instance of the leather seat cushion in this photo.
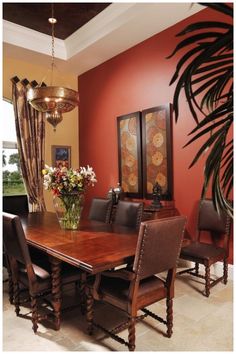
(202, 251)
(43, 278)
(118, 289)
(68, 274)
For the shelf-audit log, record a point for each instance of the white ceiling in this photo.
(119, 27)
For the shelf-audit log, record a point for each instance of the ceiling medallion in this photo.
(53, 100)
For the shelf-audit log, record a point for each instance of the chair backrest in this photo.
(14, 240)
(210, 220)
(158, 246)
(101, 210)
(15, 204)
(129, 214)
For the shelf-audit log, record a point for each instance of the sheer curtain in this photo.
(30, 131)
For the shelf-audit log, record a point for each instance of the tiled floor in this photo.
(200, 324)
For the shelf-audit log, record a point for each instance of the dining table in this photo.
(93, 248)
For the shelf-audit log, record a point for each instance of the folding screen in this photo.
(145, 152)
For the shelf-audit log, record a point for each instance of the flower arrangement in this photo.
(68, 187)
(65, 181)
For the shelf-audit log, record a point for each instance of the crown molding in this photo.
(117, 28)
(107, 21)
(23, 37)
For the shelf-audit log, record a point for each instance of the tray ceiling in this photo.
(87, 34)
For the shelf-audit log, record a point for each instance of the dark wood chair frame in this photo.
(222, 226)
(108, 210)
(17, 205)
(170, 230)
(6, 264)
(118, 219)
(25, 275)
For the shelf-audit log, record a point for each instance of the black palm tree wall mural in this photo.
(205, 74)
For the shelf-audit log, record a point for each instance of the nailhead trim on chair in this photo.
(141, 252)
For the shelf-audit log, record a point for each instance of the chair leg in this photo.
(207, 280)
(131, 330)
(10, 289)
(169, 316)
(89, 311)
(16, 299)
(34, 313)
(225, 271)
(197, 268)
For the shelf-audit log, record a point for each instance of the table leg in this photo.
(83, 283)
(56, 290)
(89, 310)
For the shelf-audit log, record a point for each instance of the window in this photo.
(12, 176)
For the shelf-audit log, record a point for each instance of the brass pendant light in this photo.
(54, 100)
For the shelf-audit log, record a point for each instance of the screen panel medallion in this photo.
(157, 150)
(129, 154)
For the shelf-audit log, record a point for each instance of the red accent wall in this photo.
(135, 80)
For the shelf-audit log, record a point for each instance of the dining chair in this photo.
(157, 251)
(101, 210)
(18, 205)
(33, 277)
(200, 252)
(129, 214)
(15, 204)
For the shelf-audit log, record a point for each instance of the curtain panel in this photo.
(30, 132)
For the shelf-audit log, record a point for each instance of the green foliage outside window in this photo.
(12, 181)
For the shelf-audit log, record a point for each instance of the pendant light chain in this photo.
(52, 20)
(52, 52)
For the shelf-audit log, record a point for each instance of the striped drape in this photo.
(30, 131)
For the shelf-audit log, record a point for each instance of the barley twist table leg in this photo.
(89, 311)
(82, 291)
(56, 290)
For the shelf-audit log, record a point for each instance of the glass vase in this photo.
(69, 208)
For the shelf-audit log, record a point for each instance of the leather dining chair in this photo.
(200, 252)
(101, 210)
(18, 205)
(15, 204)
(33, 277)
(157, 251)
(129, 214)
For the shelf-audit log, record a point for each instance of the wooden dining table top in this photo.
(94, 247)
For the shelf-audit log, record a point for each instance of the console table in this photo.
(168, 209)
